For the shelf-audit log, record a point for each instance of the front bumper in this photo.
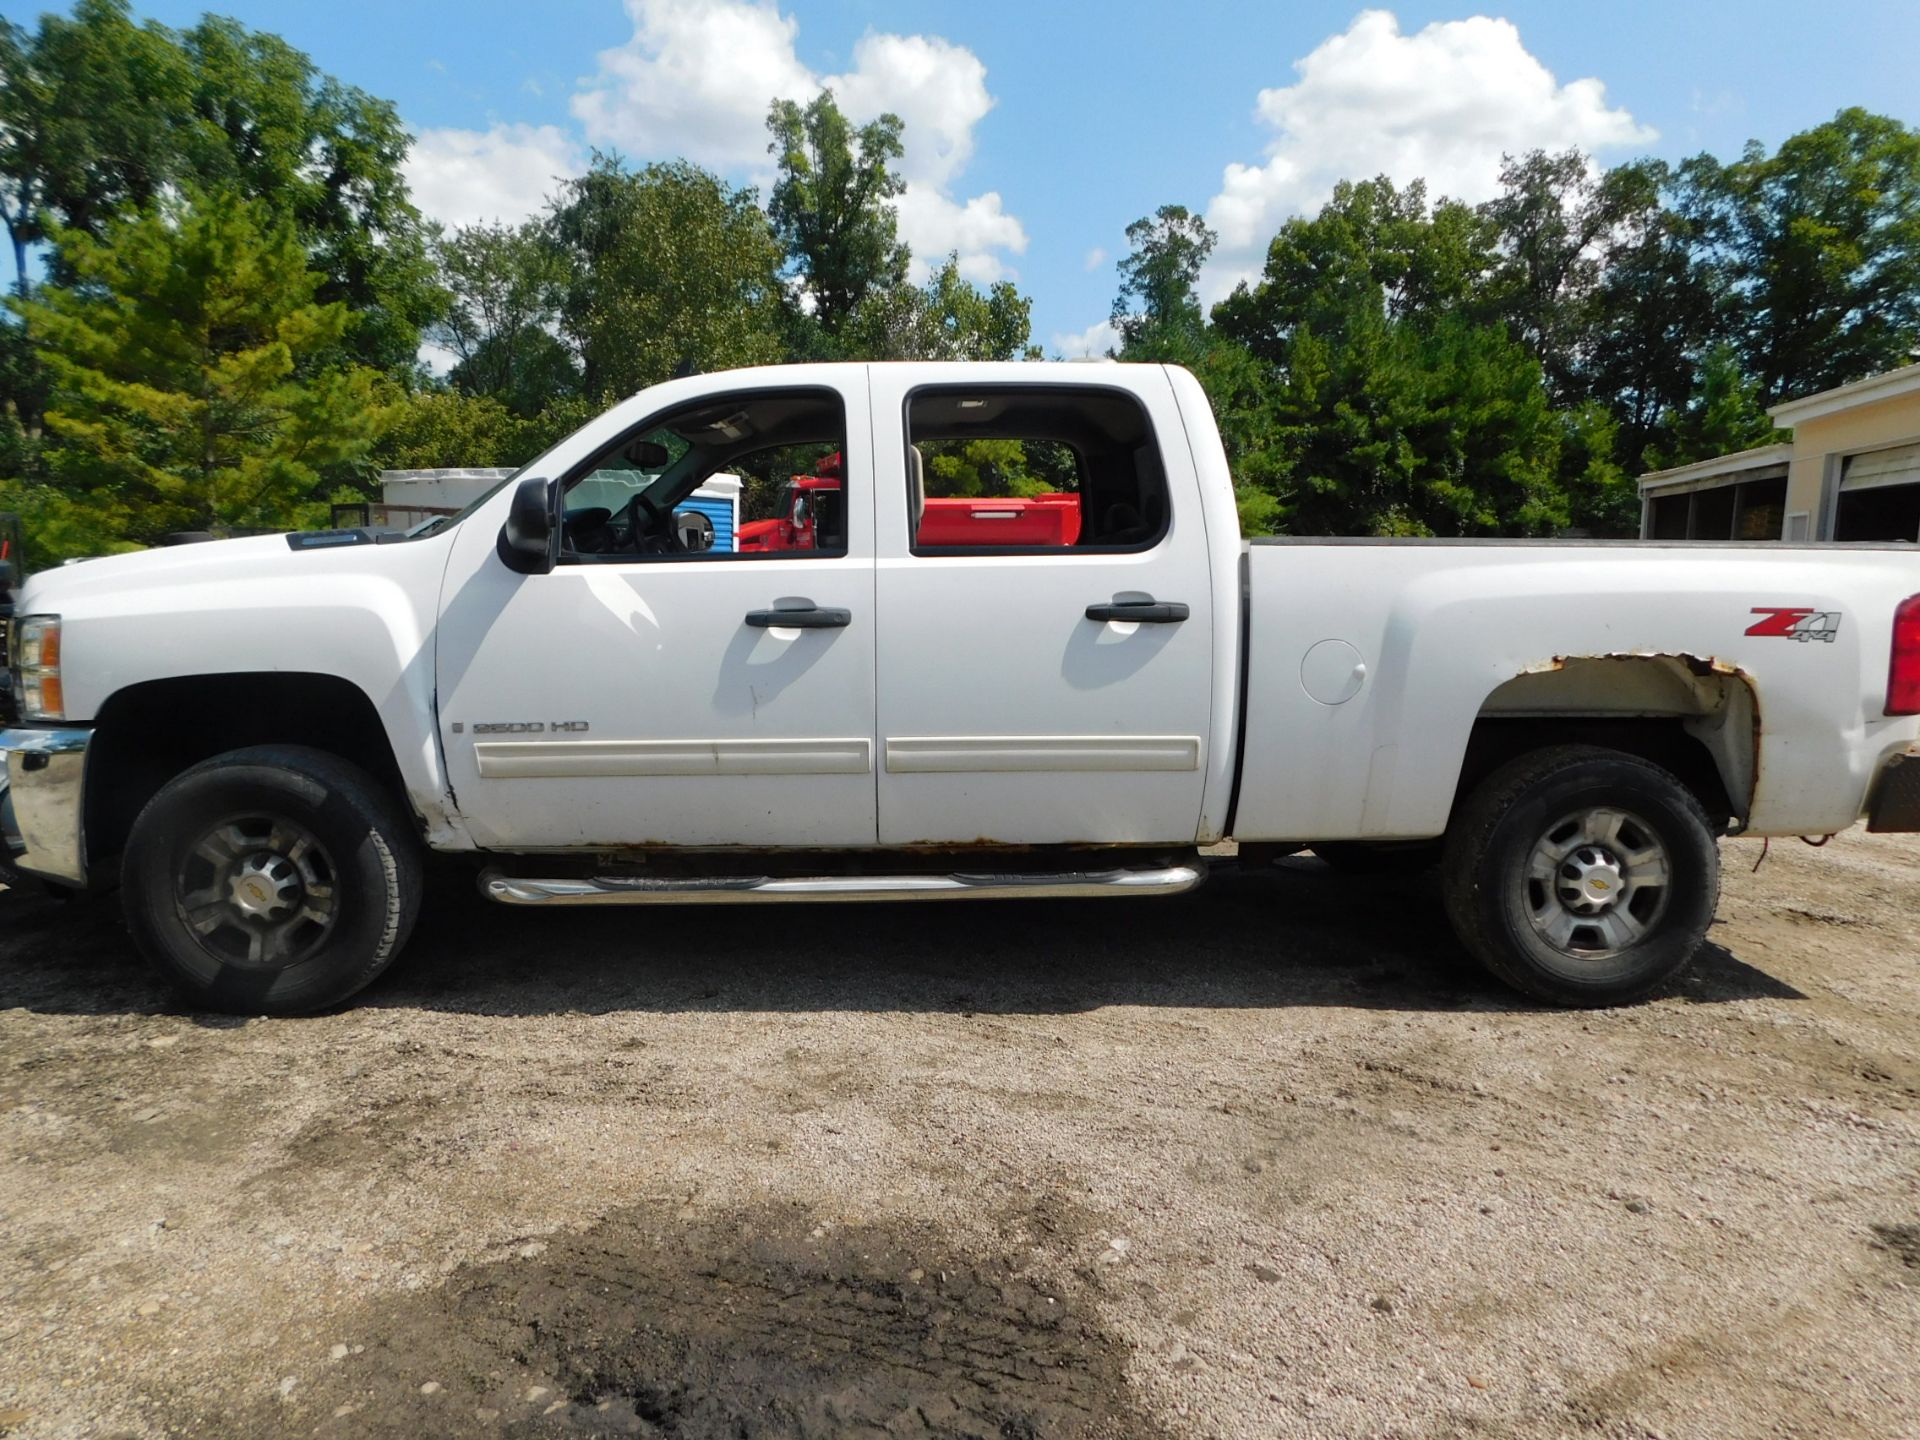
(43, 776)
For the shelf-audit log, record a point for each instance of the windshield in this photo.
(433, 524)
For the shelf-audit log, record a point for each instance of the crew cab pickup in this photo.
(261, 738)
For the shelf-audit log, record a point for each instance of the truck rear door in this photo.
(1033, 692)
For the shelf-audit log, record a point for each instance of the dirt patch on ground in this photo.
(767, 1323)
(1272, 1159)
(1902, 1242)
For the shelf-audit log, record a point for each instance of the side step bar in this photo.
(771, 890)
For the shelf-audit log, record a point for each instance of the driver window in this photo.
(755, 475)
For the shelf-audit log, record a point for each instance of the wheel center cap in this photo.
(1598, 882)
(263, 887)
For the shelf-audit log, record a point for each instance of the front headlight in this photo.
(36, 667)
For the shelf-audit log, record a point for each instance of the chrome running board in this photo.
(771, 890)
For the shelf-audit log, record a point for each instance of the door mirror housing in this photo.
(694, 530)
(530, 540)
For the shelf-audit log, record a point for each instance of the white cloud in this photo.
(464, 177)
(934, 226)
(1096, 257)
(1443, 103)
(937, 88)
(695, 80)
(437, 358)
(1095, 341)
(698, 76)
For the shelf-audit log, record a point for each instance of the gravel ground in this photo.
(1266, 1160)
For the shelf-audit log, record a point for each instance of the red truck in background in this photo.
(807, 507)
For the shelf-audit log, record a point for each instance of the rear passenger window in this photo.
(1032, 468)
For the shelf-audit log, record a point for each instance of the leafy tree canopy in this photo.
(507, 285)
(1820, 246)
(100, 116)
(213, 402)
(669, 269)
(948, 318)
(830, 210)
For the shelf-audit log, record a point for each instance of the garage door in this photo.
(1880, 496)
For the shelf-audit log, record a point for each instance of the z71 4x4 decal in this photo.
(1795, 622)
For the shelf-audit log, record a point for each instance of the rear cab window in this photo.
(1044, 469)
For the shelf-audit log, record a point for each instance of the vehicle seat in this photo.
(1121, 525)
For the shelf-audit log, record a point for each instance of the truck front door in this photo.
(642, 694)
(1039, 693)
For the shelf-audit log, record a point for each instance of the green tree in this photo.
(100, 116)
(669, 268)
(1655, 310)
(264, 121)
(1157, 307)
(1372, 249)
(1159, 319)
(1819, 244)
(507, 283)
(88, 104)
(831, 207)
(948, 318)
(1559, 221)
(1724, 413)
(437, 429)
(1395, 399)
(188, 392)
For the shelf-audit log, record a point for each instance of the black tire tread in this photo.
(1471, 833)
(389, 830)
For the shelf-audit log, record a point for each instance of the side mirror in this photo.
(694, 529)
(529, 541)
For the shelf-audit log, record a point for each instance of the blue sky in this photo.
(1037, 131)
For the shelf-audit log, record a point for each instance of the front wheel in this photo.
(277, 880)
(1582, 876)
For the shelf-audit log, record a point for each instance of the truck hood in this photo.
(261, 557)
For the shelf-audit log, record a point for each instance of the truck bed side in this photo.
(1773, 658)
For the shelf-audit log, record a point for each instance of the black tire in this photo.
(354, 883)
(1501, 843)
(1362, 857)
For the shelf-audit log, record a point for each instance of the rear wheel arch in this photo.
(1697, 718)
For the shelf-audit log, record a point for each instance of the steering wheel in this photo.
(585, 529)
(648, 529)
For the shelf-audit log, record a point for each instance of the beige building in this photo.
(1850, 472)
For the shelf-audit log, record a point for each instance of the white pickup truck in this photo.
(260, 738)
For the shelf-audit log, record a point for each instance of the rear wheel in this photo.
(1582, 876)
(272, 881)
